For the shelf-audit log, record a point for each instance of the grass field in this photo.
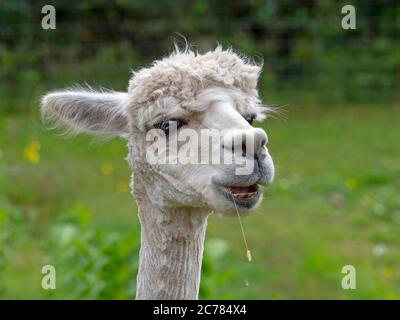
(335, 201)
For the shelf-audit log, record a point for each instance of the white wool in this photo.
(183, 75)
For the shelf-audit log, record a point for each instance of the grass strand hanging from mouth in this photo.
(248, 252)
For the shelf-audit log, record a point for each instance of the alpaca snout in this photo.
(265, 167)
(245, 143)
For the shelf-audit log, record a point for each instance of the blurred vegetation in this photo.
(307, 54)
(335, 200)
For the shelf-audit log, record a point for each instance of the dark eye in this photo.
(250, 118)
(170, 124)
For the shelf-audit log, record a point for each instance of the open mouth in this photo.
(243, 193)
(243, 196)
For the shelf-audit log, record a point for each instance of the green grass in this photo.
(335, 201)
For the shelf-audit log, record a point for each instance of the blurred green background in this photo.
(335, 200)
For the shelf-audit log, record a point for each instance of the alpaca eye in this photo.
(169, 124)
(250, 118)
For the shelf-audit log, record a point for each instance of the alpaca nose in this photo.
(247, 142)
(260, 140)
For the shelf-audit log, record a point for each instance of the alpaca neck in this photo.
(171, 250)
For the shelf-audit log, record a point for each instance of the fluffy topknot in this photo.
(183, 74)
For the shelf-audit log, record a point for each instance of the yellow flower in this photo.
(31, 152)
(388, 272)
(351, 183)
(123, 186)
(107, 169)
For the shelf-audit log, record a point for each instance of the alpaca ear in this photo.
(87, 111)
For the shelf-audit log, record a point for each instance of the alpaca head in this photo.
(187, 120)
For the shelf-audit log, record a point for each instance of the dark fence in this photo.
(307, 54)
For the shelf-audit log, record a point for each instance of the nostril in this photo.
(243, 149)
(263, 141)
(245, 144)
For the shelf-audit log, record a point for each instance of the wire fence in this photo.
(307, 54)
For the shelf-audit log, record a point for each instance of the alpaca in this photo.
(214, 90)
